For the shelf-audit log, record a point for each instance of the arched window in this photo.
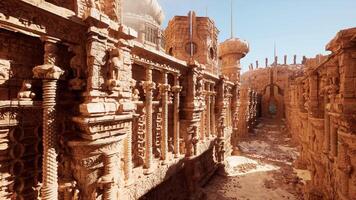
(212, 53)
(170, 51)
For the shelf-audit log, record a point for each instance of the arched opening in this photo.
(212, 53)
(170, 51)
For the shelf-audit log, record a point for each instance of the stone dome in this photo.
(234, 46)
(144, 7)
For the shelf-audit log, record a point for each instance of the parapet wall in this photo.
(270, 84)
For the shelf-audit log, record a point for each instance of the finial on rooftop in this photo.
(232, 21)
(274, 49)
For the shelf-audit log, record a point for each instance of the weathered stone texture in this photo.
(320, 111)
(119, 115)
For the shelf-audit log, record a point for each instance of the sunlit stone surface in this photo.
(98, 101)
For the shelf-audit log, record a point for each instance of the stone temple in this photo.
(98, 101)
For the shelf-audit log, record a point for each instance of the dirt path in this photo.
(263, 170)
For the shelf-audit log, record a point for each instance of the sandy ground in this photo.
(263, 170)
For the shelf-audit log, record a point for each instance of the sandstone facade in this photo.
(320, 110)
(97, 101)
(271, 83)
(317, 99)
(92, 107)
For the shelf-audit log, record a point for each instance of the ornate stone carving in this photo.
(4, 70)
(25, 94)
(148, 87)
(77, 63)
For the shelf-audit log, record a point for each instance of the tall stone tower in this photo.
(193, 37)
(230, 53)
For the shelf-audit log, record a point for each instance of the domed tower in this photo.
(146, 17)
(230, 53)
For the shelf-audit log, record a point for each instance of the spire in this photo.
(232, 21)
(191, 32)
(275, 54)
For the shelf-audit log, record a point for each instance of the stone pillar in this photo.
(295, 59)
(313, 95)
(266, 62)
(128, 157)
(285, 59)
(159, 39)
(148, 87)
(110, 169)
(327, 132)
(142, 33)
(49, 73)
(202, 121)
(212, 110)
(222, 108)
(236, 110)
(333, 140)
(192, 108)
(208, 112)
(109, 148)
(176, 90)
(164, 88)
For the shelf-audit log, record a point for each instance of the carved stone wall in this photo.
(119, 117)
(17, 58)
(270, 83)
(21, 135)
(321, 116)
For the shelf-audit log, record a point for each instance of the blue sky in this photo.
(301, 27)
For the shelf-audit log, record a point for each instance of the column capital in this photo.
(177, 89)
(148, 86)
(47, 71)
(163, 88)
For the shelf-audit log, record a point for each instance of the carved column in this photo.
(326, 130)
(164, 88)
(235, 110)
(176, 90)
(193, 107)
(212, 110)
(221, 119)
(148, 87)
(128, 157)
(254, 107)
(208, 112)
(202, 122)
(313, 95)
(50, 73)
(109, 180)
(333, 140)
